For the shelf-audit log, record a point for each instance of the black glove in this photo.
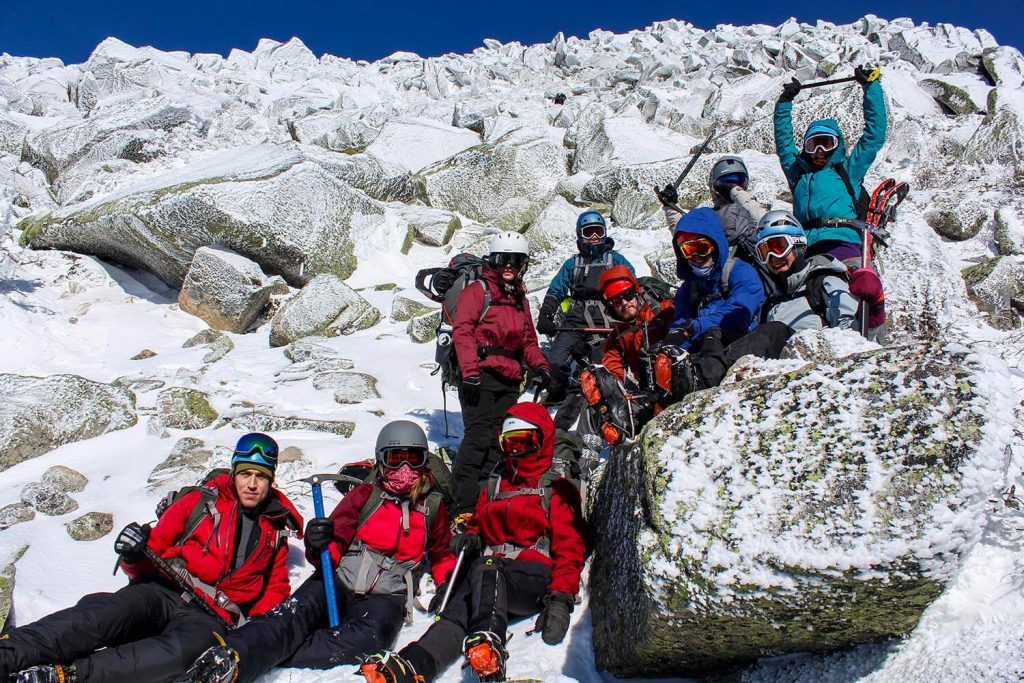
(470, 388)
(553, 622)
(541, 380)
(471, 543)
(435, 602)
(131, 542)
(319, 533)
(546, 318)
(790, 90)
(863, 74)
(668, 194)
(679, 335)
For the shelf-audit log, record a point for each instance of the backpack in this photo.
(206, 505)
(444, 286)
(565, 466)
(655, 291)
(860, 201)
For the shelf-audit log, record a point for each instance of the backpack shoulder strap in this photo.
(206, 505)
(845, 177)
(429, 507)
(371, 505)
(487, 300)
(730, 261)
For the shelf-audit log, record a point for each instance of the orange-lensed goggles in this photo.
(696, 248)
(517, 442)
(394, 458)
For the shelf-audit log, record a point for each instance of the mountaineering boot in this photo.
(486, 654)
(50, 673)
(388, 667)
(219, 664)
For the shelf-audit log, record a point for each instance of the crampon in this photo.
(388, 667)
(486, 654)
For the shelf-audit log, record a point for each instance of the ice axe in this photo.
(193, 596)
(326, 566)
(873, 76)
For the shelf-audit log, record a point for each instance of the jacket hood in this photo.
(277, 504)
(704, 222)
(529, 468)
(825, 126)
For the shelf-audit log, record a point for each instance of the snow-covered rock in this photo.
(997, 286)
(38, 414)
(423, 328)
(7, 575)
(1000, 137)
(747, 520)
(432, 227)
(348, 387)
(326, 306)
(184, 408)
(405, 308)
(956, 216)
(226, 290)
(1009, 232)
(418, 143)
(187, 462)
(260, 422)
(48, 499)
(15, 513)
(90, 526)
(218, 343)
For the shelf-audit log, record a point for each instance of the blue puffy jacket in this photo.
(821, 194)
(699, 298)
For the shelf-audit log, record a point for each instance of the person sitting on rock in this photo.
(379, 537)
(577, 280)
(639, 328)
(227, 540)
(823, 178)
(807, 294)
(529, 528)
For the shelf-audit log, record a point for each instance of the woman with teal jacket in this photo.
(815, 169)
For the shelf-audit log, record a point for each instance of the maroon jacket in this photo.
(504, 326)
(383, 532)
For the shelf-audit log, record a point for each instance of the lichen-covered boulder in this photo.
(184, 408)
(1000, 137)
(552, 233)
(663, 265)
(429, 226)
(226, 290)
(218, 343)
(265, 202)
(807, 511)
(996, 285)
(63, 478)
(47, 498)
(423, 328)
(505, 183)
(90, 526)
(1004, 65)
(348, 387)
(1009, 233)
(956, 216)
(404, 308)
(189, 460)
(15, 513)
(956, 99)
(325, 307)
(263, 422)
(38, 414)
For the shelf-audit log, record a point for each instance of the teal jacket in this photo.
(822, 194)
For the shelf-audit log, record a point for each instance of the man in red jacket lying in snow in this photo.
(229, 540)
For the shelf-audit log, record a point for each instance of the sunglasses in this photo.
(518, 442)
(825, 142)
(503, 259)
(592, 231)
(778, 246)
(394, 458)
(622, 297)
(698, 248)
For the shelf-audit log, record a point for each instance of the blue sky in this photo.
(369, 30)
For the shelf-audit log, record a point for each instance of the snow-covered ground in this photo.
(67, 313)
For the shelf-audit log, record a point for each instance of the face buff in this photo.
(400, 480)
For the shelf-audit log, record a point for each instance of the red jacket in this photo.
(383, 532)
(504, 326)
(262, 580)
(623, 346)
(521, 520)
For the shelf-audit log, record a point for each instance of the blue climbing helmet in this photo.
(778, 233)
(589, 226)
(255, 451)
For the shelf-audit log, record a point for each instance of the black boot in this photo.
(219, 664)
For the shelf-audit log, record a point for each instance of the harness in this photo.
(583, 277)
(861, 200)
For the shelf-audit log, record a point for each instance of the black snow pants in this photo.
(149, 633)
(296, 633)
(494, 589)
(479, 453)
(712, 359)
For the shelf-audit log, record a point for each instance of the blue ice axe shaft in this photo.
(326, 566)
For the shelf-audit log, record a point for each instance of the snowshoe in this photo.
(219, 664)
(486, 654)
(50, 673)
(388, 667)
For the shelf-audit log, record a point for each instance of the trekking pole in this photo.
(326, 566)
(451, 584)
(693, 158)
(194, 596)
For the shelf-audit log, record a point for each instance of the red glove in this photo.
(865, 285)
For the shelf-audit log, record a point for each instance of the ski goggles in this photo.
(825, 142)
(731, 179)
(616, 300)
(518, 442)
(393, 458)
(701, 247)
(503, 258)
(255, 448)
(592, 231)
(778, 246)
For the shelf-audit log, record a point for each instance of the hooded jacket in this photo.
(699, 299)
(522, 521)
(821, 194)
(506, 325)
(789, 304)
(261, 582)
(626, 341)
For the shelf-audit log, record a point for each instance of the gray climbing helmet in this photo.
(401, 434)
(727, 166)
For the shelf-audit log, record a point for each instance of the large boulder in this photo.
(184, 408)
(805, 511)
(187, 462)
(957, 216)
(432, 227)
(265, 202)
(1009, 232)
(263, 422)
(604, 141)
(39, 414)
(505, 183)
(226, 290)
(418, 143)
(1000, 137)
(10, 556)
(996, 285)
(325, 307)
(90, 526)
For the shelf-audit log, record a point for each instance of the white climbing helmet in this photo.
(509, 243)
